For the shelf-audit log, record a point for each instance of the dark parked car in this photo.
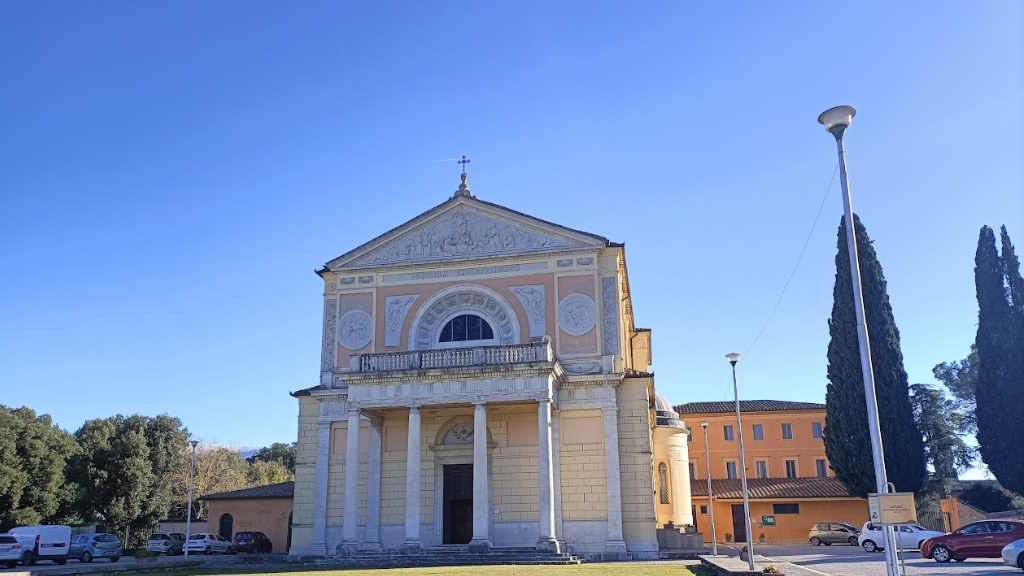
(252, 542)
(86, 547)
(983, 539)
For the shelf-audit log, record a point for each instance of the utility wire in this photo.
(796, 265)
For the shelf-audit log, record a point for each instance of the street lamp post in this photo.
(711, 503)
(733, 357)
(836, 120)
(191, 481)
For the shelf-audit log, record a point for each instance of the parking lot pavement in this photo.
(852, 561)
(125, 563)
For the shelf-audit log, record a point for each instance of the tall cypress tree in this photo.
(1000, 344)
(847, 442)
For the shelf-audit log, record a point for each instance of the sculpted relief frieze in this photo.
(577, 314)
(396, 308)
(356, 329)
(532, 299)
(464, 232)
(610, 315)
(330, 325)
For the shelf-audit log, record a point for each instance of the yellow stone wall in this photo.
(305, 470)
(583, 478)
(636, 459)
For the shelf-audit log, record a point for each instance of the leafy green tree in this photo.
(33, 455)
(114, 471)
(277, 452)
(960, 378)
(942, 428)
(1000, 345)
(987, 497)
(847, 442)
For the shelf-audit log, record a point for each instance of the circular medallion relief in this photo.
(356, 329)
(577, 314)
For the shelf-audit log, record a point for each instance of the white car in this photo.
(1013, 553)
(209, 544)
(908, 536)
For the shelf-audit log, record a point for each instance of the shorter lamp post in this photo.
(191, 481)
(733, 357)
(711, 503)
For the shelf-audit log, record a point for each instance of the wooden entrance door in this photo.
(458, 503)
(739, 523)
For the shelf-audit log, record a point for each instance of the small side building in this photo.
(791, 484)
(266, 509)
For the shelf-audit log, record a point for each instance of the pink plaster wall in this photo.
(587, 343)
(364, 302)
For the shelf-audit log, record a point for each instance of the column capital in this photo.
(414, 407)
(354, 409)
(479, 402)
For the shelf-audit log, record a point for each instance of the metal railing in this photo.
(457, 357)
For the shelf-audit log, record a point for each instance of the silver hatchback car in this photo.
(86, 547)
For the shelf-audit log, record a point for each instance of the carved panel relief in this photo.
(577, 314)
(330, 329)
(459, 433)
(356, 329)
(609, 316)
(464, 232)
(396, 308)
(532, 299)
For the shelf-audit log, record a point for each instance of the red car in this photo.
(983, 539)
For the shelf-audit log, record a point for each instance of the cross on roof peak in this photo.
(464, 185)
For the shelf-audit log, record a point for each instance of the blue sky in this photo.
(172, 173)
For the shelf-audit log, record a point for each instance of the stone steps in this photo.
(455, 556)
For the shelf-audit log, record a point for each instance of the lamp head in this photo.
(194, 443)
(837, 119)
(704, 425)
(733, 357)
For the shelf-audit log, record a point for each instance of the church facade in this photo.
(483, 382)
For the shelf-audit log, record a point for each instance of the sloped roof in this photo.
(773, 488)
(279, 490)
(460, 200)
(728, 406)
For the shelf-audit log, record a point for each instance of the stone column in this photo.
(556, 476)
(481, 541)
(412, 483)
(373, 485)
(615, 544)
(546, 511)
(349, 532)
(679, 467)
(323, 456)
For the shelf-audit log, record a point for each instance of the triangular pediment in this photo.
(464, 228)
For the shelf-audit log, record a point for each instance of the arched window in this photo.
(466, 327)
(663, 482)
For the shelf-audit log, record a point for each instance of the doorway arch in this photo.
(226, 525)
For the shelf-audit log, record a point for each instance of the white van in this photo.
(44, 543)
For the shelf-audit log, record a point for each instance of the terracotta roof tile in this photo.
(728, 406)
(279, 490)
(773, 488)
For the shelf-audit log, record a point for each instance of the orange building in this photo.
(790, 484)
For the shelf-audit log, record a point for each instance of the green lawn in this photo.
(596, 569)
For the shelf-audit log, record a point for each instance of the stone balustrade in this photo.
(455, 357)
